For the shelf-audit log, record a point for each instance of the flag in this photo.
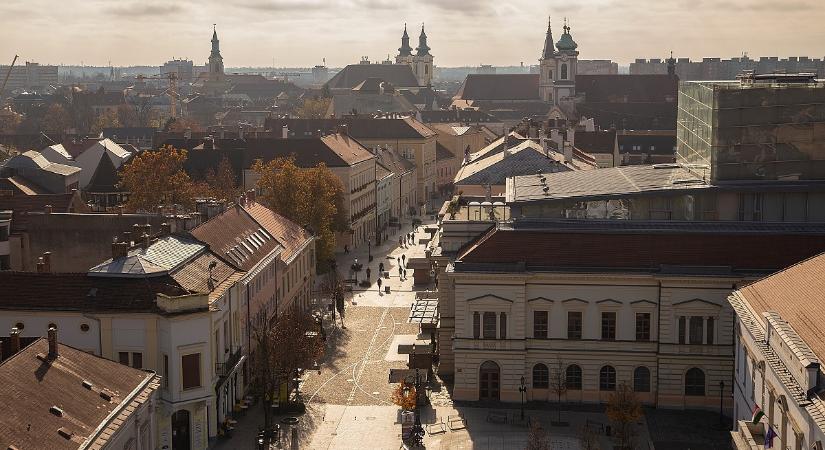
(769, 437)
(758, 414)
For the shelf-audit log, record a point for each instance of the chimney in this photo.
(48, 209)
(285, 132)
(52, 342)
(243, 199)
(144, 241)
(127, 237)
(543, 141)
(120, 250)
(250, 196)
(240, 133)
(15, 340)
(568, 152)
(187, 134)
(41, 266)
(47, 261)
(165, 229)
(119, 210)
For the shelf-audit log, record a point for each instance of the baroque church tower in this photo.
(422, 62)
(557, 79)
(215, 58)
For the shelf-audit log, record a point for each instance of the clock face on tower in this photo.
(564, 57)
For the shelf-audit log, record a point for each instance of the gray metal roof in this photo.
(161, 257)
(608, 182)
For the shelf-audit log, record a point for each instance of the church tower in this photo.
(215, 58)
(566, 57)
(405, 55)
(547, 65)
(423, 61)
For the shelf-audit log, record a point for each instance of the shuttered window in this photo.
(191, 368)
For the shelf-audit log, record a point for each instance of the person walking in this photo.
(379, 285)
(399, 272)
(404, 260)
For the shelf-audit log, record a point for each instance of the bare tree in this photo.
(284, 344)
(624, 409)
(588, 438)
(537, 439)
(558, 383)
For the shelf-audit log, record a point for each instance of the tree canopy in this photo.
(157, 178)
(312, 198)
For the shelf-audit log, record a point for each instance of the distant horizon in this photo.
(462, 33)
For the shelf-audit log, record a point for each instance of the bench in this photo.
(456, 422)
(497, 417)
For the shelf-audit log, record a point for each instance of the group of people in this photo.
(406, 240)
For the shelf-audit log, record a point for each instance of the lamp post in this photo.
(522, 389)
(369, 250)
(721, 403)
(417, 429)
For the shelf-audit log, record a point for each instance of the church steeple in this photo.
(423, 49)
(548, 42)
(216, 45)
(405, 49)
(215, 58)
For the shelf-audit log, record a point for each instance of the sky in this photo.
(301, 33)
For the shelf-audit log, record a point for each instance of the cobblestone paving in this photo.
(356, 372)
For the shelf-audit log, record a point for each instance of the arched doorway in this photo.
(180, 430)
(489, 381)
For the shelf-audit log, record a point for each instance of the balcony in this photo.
(225, 369)
(749, 436)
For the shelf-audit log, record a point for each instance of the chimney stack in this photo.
(127, 238)
(165, 229)
(52, 342)
(48, 209)
(119, 210)
(15, 340)
(41, 266)
(240, 132)
(120, 249)
(187, 134)
(47, 261)
(285, 132)
(250, 196)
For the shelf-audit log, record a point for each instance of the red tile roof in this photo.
(32, 384)
(635, 250)
(291, 235)
(237, 237)
(23, 205)
(500, 87)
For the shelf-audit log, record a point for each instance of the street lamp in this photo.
(522, 389)
(721, 402)
(417, 430)
(369, 250)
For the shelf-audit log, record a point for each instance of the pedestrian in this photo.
(399, 272)
(379, 285)
(405, 274)
(368, 273)
(400, 241)
(346, 248)
(398, 261)
(404, 260)
(380, 270)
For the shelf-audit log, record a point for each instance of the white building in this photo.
(778, 341)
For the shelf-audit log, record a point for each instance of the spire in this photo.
(566, 43)
(423, 49)
(216, 46)
(671, 65)
(405, 49)
(548, 42)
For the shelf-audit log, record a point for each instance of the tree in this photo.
(313, 108)
(222, 183)
(558, 383)
(624, 409)
(588, 439)
(142, 106)
(312, 198)
(9, 120)
(156, 178)
(282, 346)
(404, 396)
(537, 439)
(57, 119)
(108, 119)
(126, 116)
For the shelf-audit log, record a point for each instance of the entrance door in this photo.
(488, 385)
(180, 430)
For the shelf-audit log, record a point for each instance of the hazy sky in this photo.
(461, 32)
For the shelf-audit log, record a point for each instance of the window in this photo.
(123, 358)
(641, 379)
(541, 377)
(642, 326)
(476, 325)
(710, 330)
(695, 382)
(660, 208)
(607, 378)
(166, 371)
(608, 326)
(137, 360)
(191, 368)
(573, 378)
(503, 325)
(564, 71)
(574, 325)
(489, 325)
(682, 329)
(696, 329)
(540, 324)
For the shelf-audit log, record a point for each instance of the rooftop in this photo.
(35, 384)
(288, 233)
(159, 258)
(601, 183)
(500, 87)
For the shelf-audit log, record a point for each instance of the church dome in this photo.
(566, 43)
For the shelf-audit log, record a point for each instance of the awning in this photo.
(424, 311)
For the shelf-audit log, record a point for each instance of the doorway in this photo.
(488, 385)
(180, 430)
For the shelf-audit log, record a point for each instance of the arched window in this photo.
(541, 376)
(607, 379)
(641, 379)
(564, 71)
(573, 378)
(695, 382)
(426, 69)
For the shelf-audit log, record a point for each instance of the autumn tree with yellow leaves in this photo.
(311, 197)
(156, 178)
